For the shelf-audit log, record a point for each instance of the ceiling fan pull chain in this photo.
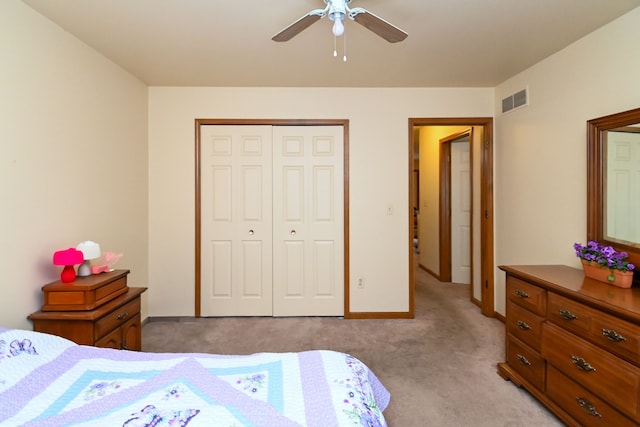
(344, 48)
(335, 45)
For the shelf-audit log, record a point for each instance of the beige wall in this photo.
(378, 177)
(73, 158)
(66, 111)
(540, 150)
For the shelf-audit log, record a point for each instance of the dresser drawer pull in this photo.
(582, 364)
(588, 407)
(612, 335)
(523, 325)
(122, 316)
(522, 294)
(523, 360)
(567, 315)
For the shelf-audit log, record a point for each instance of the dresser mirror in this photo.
(613, 182)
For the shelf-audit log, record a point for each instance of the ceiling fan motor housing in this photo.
(337, 9)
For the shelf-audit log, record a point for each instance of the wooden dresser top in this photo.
(572, 283)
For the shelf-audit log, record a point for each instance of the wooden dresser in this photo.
(99, 310)
(574, 344)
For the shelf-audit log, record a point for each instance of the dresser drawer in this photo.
(569, 314)
(524, 325)
(117, 317)
(527, 295)
(614, 380)
(526, 362)
(611, 333)
(582, 405)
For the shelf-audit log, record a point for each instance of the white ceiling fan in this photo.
(337, 11)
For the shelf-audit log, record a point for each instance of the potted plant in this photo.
(604, 263)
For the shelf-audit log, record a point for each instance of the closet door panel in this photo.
(308, 216)
(236, 220)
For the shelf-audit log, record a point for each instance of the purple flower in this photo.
(604, 256)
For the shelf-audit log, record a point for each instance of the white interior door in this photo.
(460, 212)
(236, 220)
(308, 215)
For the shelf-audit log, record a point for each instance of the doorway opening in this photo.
(430, 205)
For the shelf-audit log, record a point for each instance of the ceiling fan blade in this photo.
(298, 26)
(384, 29)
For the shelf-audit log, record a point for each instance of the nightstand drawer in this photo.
(527, 295)
(525, 325)
(614, 380)
(584, 406)
(526, 362)
(117, 317)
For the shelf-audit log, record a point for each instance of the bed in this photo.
(46, 380)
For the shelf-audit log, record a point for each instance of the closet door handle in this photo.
(250, 232)
(292, 232)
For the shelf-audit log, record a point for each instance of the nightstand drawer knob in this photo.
(522, 294)
(612, 335)
(122, 316)
(567, 315)
(582, 364)
(588, 407)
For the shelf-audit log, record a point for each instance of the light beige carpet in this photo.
(440, 367)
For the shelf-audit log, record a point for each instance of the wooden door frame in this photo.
(486, 304)
(445, 273)
(271, 122)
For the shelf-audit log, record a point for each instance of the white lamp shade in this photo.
(90, 250)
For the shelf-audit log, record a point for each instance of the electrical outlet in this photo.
(361, 283)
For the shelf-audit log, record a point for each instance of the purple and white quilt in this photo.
(46, 380)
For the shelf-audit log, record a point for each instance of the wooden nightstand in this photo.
(99, 310)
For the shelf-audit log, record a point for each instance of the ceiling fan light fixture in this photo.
(338, 26)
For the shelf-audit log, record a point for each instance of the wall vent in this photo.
(517, 100)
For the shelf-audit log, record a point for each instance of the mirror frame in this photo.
(596, 168)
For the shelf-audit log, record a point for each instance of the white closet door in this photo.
(308, 209)
(236, 220)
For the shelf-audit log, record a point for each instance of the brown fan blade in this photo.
(296, 28)
(387, 31)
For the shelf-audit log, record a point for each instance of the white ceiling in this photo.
(451, 43)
